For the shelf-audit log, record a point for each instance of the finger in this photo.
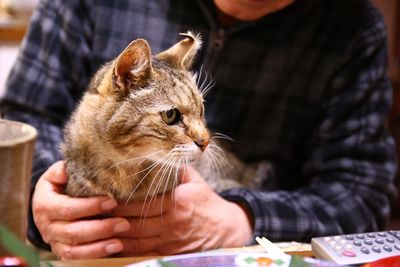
(62, 207)
(144, 227)
(142, 246)
(189, 174)
(56, 173)
(157, 246)
(99, 249)
(79, 232)
(154, 207)
(49, 200)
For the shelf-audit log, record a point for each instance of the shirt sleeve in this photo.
(48, 78)
(350, 161)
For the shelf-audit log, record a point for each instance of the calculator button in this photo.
(395, 233)
(364, 250)
(349, 253)
(390, 240)
(379, 241)
(371, 235)
(368, 242)
(360, 236)
(358, 243)
(387, 248)
(376, 249)
(338, 248)
(349, 237)
(397, 246)
(382, 234)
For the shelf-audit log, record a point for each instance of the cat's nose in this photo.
(202, 143)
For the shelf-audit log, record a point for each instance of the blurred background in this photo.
(14, 18)
(15, 14)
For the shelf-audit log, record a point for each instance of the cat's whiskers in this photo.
(129, 160)
(170, 168)
(165, 167)
(176, 180)
(217, 160)
(204, 83)
(168, 162)
(143, 170)
(201, 86)
(219, 152)
(150, 169)
(213, 162)
(206, 89)
(169, 176)
(222, 136)
(199, 74)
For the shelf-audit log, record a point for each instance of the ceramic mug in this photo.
(17, 142)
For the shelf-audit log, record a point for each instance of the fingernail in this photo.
(122, 227)
(109, 204)
(114, 248)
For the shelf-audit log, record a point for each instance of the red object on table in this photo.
(385, 262)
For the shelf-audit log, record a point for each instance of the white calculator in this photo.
(357, 248)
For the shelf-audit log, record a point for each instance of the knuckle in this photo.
(66, 253)
(45, 230)
(37, 208)
(71, 237)
(62, 251)
(46, 236)
(64, 211)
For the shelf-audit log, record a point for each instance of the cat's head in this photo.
(151, 105)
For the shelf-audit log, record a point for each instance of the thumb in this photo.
(56, 173)
(189, 174)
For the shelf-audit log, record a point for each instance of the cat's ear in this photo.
(182, 54)
(133, 67)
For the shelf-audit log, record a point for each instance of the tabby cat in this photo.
(140, 121)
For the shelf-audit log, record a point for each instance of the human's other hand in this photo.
(191, 218)
(64, 221)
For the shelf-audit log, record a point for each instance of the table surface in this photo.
(290, 248)
(106, 262)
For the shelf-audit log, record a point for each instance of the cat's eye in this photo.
(171, 116)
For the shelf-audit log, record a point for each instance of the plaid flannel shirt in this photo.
(305, 88)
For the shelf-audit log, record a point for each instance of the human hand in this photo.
(64, 224)
(191, 218)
